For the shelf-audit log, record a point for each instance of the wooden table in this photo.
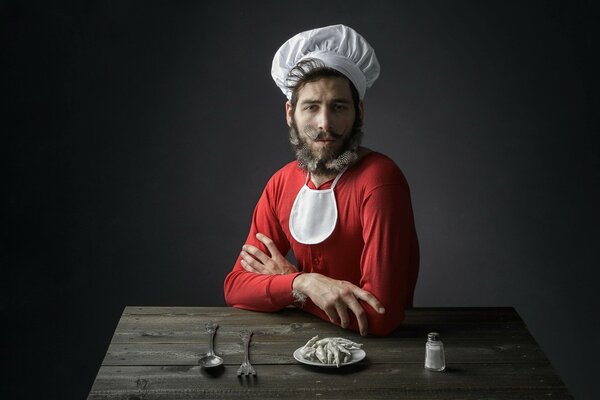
(489, 355)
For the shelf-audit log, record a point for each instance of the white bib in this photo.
(314, 213)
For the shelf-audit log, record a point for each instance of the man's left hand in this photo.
(254, 260)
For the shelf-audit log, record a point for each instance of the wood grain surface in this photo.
(489, 355)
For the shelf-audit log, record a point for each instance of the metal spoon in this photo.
(210, 359)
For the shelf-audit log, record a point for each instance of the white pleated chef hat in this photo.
(336, 46)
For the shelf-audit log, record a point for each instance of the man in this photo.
(342, 209)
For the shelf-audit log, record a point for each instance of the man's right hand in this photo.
(335, 297)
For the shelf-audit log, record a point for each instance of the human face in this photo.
(322, 125)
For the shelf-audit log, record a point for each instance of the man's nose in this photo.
(325, 121)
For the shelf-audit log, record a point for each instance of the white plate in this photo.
(357, 355)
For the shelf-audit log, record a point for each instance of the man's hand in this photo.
(336, 297)
(254, 260)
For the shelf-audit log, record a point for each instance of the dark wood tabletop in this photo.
(490, 354)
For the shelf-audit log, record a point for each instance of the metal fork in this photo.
(246, 368)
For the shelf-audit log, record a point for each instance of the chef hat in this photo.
(336, 46)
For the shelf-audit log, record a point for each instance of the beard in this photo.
(326, 161)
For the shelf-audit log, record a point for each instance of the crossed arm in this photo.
(263, 279)
(334, 297)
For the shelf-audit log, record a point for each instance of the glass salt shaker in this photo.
(434, 353)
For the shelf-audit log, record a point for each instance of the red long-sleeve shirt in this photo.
(374, 244)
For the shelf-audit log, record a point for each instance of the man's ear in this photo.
(361, 110)
(289, 113)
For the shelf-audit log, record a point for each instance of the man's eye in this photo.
(340, 107)
(310, 107)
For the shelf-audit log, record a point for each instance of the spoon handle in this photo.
(211, 328)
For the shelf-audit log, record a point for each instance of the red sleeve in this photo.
(389, 262)
(260, 292)
(390, 258)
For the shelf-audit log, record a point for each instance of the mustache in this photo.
(317, 134)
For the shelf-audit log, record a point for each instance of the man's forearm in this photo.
(258, 292)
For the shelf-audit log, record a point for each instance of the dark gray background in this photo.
(139, 135)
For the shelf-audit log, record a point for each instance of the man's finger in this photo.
(342, 311)
(331, 313)
(361, 316)
(257, 253)
(369, 299)
(269, 243)
(248, 267)
(256, 265)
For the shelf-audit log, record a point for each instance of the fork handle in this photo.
(246, 350)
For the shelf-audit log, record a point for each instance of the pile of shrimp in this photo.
(332, 350)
